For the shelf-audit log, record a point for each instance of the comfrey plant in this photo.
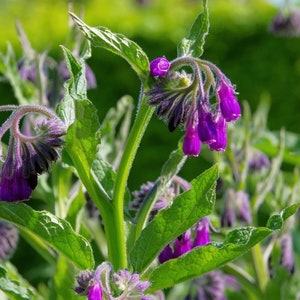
(171, 239)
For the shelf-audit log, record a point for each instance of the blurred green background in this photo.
(263, 66)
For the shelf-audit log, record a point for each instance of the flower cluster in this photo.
(202, 100)
(186, 242)
(164, 200)
(101, 284)
(28, 155)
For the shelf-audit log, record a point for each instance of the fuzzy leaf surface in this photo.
(193, 44)
(118, 44)
(214, 255)
(55, 232)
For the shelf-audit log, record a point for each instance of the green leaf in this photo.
(206, 258)
(83, 134)
(14, 286)
(53, 231)
(169, 223)
(214, 255)
(118, 44)
(276, 221)
(77, 83)
(193, 44)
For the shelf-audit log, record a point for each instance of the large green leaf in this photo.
(169, 223)
(118, 44)
(214, 255)
(52, 230)
(193, 44)
(83, 134)
(201, 260)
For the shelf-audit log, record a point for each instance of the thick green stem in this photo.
(143, 117)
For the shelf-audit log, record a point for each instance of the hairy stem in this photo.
(142, 119)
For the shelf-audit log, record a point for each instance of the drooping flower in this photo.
(184, 99)
(221, 136)
(165, 254)
(186, 242)
(229, 105)
(202, 232)
(8, 240)
(95, 292)
(182, 244)
(236, 205)
(28, 155)
(15, 185)
(191, 142)
(159, 66)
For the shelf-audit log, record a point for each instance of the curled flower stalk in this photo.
(194, 94)
(30, 152)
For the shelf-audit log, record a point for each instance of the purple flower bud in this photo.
(182, 244)
(221, 135)
(229, 105)
(95, 292)
(166, 254)
(202, 233)
(191, 142)
(259, 161)
(83, 281)
(14, 186)
(159, 66)
(206, 128)
(8, 240)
